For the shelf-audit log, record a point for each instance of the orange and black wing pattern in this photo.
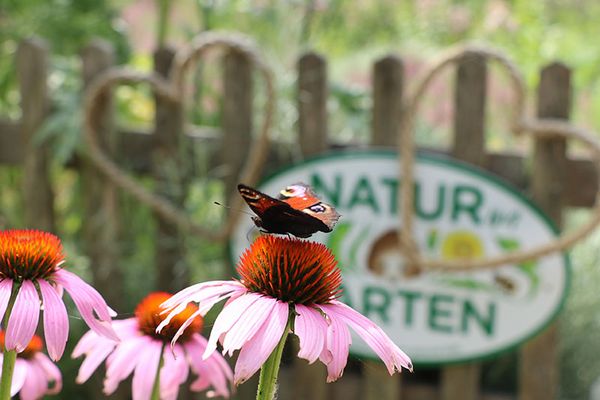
(298, 212)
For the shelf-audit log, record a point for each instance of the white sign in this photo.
(461, 212)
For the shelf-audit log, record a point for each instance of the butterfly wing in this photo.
(276, 216)
(258, 202)
(300, 215)
(300, 196)
(325, 213)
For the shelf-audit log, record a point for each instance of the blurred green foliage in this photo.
(352, 34)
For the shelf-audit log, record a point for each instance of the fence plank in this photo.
(388, 84)
(387, 105)
(312, 103)
(11, 152)
(100, 197)
(462, 381)
(581, 181)
(101, 212)
(309, 382)
(32, 67)
(539, 357)
(237, 116)
(237, 135)
(168, 169)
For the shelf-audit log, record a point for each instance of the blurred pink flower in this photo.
(32, 261)
(34, 374)
(283, 278)
(140, 350)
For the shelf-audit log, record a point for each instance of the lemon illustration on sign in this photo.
(461, 245)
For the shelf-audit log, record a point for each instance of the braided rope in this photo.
(520, 124)
(173, 90)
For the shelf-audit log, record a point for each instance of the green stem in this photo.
(267, 383)
(9, 357)
(156, 387)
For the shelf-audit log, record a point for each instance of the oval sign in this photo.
(461, 212)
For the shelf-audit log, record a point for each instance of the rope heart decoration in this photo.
(172, 90)
(520, 124)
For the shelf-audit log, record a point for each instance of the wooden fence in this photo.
(554, 180)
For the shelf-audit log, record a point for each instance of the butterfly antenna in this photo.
(233, 209)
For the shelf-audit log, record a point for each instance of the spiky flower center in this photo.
(29, 254)
(34, 346)
(149, 316)
(291, 270)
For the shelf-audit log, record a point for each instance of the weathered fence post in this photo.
(388, 85)
(237, 116)
(312, 104)
(309, 380)
(101, 228)
(461, 382)
(539, 357)
(100, 197)
(237, 136)
(32, 67)
(169, 171)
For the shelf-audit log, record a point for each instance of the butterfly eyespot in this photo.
(317, 208)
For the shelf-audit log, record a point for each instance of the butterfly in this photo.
(297, 211)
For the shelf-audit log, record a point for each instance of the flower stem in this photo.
(269, 371)
(156, 387)
(9, 357)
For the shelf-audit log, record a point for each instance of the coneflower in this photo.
(286, 285)
(142, 350)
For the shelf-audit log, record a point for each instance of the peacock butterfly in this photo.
(297, 211)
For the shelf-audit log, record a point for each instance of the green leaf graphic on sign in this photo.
(529, 267)
(356, 245)
(466, 283)
(432, 238)
(336, 239)
(508, 244)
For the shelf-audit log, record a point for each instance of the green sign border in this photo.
(447, 161)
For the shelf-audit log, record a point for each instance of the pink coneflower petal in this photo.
(5, 291)
(183, 326)
(231, 312)
(87, 343)
(393, 358)
(36, 383)
(23, 318)
(51, 372)
(97, 349)
(173, 373)
(34, 375)
(141, 349)
(89, 303)
(207, 304)
(126, 328)
(56, 321)
(251, 320)
(213, 371)
(145, 371)
(338, 342)
(311, 328)
(19, 376)
(123, 361)
(206, 295)
(256, 351)
(200, 292)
